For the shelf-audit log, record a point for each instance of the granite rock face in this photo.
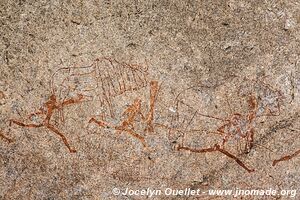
(151, 95)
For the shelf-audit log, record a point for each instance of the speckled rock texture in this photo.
(161, 79)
